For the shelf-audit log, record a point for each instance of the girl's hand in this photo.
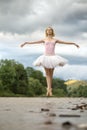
(23, 44)
(76, 45)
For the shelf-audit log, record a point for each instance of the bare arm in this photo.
(36, 42)
(69, 43)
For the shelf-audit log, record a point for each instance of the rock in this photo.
(69, 115)
(67, 123)
(52, 114)
(69, 126)
(82, 107)
(44, 109)
(48, 122)
(8, 109)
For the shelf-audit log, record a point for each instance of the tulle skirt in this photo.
(50, 61)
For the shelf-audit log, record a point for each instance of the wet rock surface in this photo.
(43, 113)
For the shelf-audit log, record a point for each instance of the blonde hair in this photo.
(53, 34)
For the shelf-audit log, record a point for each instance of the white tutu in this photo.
(50, 61)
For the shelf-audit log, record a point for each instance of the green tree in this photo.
(13, 76)
(59, 88)
(29, 71)
(35, 87)
(78, 91)
(82, 91)
(7, 74)
(59, 92)
(21, 81)
(58, 83)
(36, 74)
(1, 87)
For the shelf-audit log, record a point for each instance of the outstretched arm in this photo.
(69, 43)
(37, 42)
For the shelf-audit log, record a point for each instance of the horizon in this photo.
(67, 72)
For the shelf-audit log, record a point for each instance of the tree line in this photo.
(16, 80)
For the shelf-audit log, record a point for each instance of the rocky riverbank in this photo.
(43, 113)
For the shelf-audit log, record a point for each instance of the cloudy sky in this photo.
(26, 20)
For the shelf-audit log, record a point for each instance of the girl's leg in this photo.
(49, 76)
(51, 73)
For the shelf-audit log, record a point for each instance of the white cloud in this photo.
(26, 20)
(72, 72)
(72, 50)
(30, 15)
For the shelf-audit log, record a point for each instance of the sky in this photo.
(26, 20)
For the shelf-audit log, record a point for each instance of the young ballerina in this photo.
(49, 60)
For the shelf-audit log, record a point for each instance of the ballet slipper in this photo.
(49, 92)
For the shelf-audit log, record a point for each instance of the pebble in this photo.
(48, 122)
(67, 123)
(52, 114)
(44, 109)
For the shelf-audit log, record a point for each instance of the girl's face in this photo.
(49, 31)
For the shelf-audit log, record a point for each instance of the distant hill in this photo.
(76, 83)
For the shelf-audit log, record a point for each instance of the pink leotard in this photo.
(50, 48)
